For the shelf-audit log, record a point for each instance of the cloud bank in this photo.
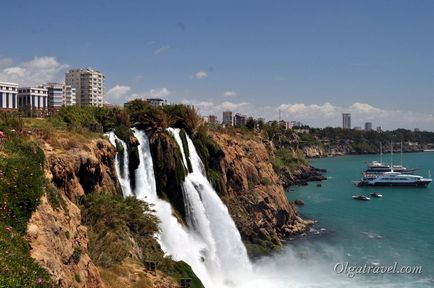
(37, 71)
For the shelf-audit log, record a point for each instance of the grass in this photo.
(17, 268)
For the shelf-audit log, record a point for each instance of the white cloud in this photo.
(159, 92)
(37, 71)
(229, 94)
(201, 75)
(161, 49)
(118, 94)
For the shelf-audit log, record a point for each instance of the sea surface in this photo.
(396, 228)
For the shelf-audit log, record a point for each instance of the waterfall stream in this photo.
(211, 243)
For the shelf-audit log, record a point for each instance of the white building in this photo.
(59, 95)
(88, 84)
(69, 95)
(8, 96)
(156, 102)
(33, 99)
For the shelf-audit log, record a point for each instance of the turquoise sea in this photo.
(396, 228)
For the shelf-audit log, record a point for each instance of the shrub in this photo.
(112, 222)
(76, 255)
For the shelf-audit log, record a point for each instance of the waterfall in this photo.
(211, 244)
(174, 238)
(121, 170)
(209, 218)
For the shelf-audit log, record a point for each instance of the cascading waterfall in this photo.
(121, 170)
(209, 218)
(174, 238)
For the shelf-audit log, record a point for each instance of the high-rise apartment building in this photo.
(212, 119)
(8, 96)
(368, 126)
(59, 95)
(69, 95)
(239, 120)
(346, 120)
(227, 118)
(88, 84)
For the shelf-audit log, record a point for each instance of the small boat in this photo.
(361, 197)
(376, 195)
(318, 185)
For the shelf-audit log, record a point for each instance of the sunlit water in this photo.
(397, 228)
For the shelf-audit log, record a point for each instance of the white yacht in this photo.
(394, 179)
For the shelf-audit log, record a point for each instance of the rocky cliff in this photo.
(57, 238)
(78, 165)
(254, 193)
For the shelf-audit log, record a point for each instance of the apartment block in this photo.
(239, 120)
(59, 95)
(227, 118)
(346, 120)
(88, 84)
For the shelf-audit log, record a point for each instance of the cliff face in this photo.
(59, 242)
(254, 194)
(56, 236)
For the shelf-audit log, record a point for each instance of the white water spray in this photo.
(210, 219)
(121, 170)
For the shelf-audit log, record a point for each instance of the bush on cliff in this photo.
(113, 222)
(121, 228)
(287, 159)
(94, 119)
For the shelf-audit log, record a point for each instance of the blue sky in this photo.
(311, 59)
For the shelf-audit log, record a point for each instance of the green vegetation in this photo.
(17, 268)
(287, 159)
(360, 141)
(11, 121)
(94, 119)
(180, 269)
(76, 255)
(77, 278)
(55, 198)
(118, 226)
(113, 221)
(124, 133)
(21, 187)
